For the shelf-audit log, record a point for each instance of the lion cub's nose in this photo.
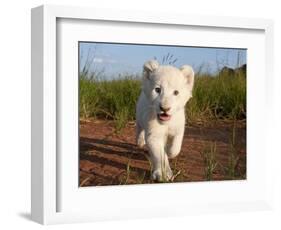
(164, 109)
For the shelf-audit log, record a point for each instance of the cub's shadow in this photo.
(109, 147)
(113, 154)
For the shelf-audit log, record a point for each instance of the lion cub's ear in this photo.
(149, 67)
(189, 74)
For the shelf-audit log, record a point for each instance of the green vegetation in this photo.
(209, 157)
(218, 97)
(234, 158)
(222, 96)
(115, 100)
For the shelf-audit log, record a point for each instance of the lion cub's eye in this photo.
(176, 92)
(158, 90)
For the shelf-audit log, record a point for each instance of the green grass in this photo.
(114, 100)
(214, 97)
(218, 97)
(209, 157)
(233, 159)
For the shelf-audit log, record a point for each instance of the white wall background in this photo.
(15, 112)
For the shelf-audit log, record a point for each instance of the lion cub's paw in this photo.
(162, 176)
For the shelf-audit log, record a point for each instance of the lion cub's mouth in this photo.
(164, 117)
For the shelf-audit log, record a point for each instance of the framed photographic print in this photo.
(140, 114)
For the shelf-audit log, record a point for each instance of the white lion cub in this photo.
(160, 113)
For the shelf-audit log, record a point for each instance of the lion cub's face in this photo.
(168, 88)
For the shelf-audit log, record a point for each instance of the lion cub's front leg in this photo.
(174, 143)
(161, 170)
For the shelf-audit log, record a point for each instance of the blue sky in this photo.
(113, 59)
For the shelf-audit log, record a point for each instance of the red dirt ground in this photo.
(108, 158)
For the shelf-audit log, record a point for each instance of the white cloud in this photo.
(98, 60)
(103, 60)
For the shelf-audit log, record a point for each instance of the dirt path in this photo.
(107, 158)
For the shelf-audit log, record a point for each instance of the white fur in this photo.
(163, 138)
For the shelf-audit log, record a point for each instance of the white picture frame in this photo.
(46, 165)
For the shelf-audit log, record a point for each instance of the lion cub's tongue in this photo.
(164, 117)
